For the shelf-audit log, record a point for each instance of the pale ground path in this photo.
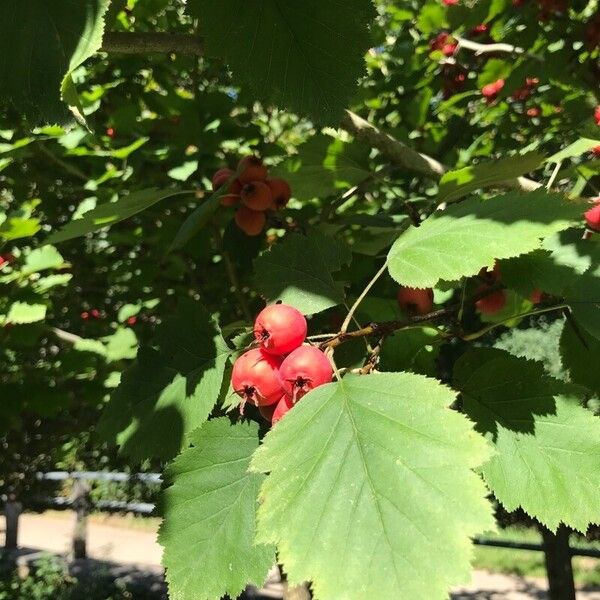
(126, 545)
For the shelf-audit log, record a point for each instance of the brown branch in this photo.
(405, 157)
(147, 43)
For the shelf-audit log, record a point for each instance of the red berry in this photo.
(280, 328)
(531, 81)
(110, 132)
(132, 320)
(596, 151)
(255, 377)
(280, 192)
(492, 303)
(597, 115)
(479, 29)
(220, 177)
(257, 195)
(303, 370)
(490, 91)
(415, 301)
(250, 169)
(450, 2)
(233, 194)
(95, 313)
(282, 407)
(536, 296)
(592, 216)
(85, 315)
(533, 112)
(251, 222)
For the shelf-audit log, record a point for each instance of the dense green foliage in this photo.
(127, 290)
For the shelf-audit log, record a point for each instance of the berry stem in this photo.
(362, 296)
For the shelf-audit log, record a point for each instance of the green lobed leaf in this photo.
(110, 213)
(461, 182)
(209, 513)
(170, 389)
(547, 445)
(323, 166)
(298, 271)
(459, 241)
(371, 490)
(305, 56)
(40, 44)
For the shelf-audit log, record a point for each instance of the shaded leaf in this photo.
(305, 56)
(170, 389)
(110, 213)
(547, 445)
(298, 272)
(209, 515)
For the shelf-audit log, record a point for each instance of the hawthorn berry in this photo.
(221, 177)
(534, 111)
(251, 168)
(597, 115)
(280, 328)
(280, 193)
(596, 151)
(281, 408)
(303, 370)
(251, 222)
(85, 315)
(450, 2)
(479, 29)
(592, 216)
(257, 195)
(132, 320)
(415, 301)
(536, 296)
(490, 91)
(255, 377)
(95, 313)
(492, 303)
(110, 132)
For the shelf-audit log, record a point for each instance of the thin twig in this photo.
(362, 296)
(66, 336)
(554, 174)
(486, 48)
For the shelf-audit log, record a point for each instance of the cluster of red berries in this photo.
(253, 192)
(526, 90)
(283, 368)
(444, 42)
(94, 313)
(415, 301)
